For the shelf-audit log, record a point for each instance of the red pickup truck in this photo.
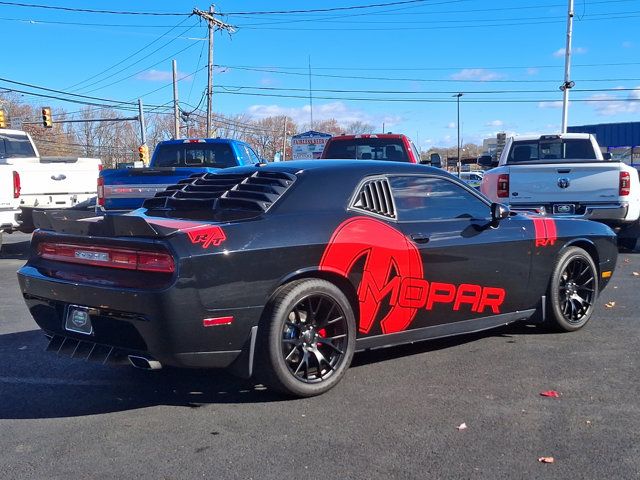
(380, 146)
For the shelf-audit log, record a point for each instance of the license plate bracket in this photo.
(564, 209)
(78, 320)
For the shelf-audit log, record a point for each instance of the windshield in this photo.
(216, 155)
(557, 150)
(13, 146)
(367, 149)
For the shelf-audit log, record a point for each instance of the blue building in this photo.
(621, 139)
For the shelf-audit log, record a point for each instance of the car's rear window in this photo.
(550, 151)
(367, 149)
(216, 155)
(12, 146)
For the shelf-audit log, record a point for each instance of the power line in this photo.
(416, 69)
(173, 55)
(428, 100)
(445, 12)
(334, 9)
(130, 56)
(87, 10)
(437, 27)
(422, 92)
(386, 79)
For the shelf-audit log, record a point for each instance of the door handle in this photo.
(419, 237)
(564, 170)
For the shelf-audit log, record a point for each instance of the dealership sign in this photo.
(308, 145)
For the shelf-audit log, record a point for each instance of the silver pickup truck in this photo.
(567, 175)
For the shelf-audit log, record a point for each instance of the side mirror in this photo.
(499, 212)
(607, 156)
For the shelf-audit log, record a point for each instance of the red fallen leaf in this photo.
(546, 459)
(550, 393)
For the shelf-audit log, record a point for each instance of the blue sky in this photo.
(419, 53)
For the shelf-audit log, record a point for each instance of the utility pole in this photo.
(176, 107)
(284, 141)
(213, 24)
(459, 163)
(568, 84)
(143, 133)
(310, 96)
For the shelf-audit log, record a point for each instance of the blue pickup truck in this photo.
(125, 189)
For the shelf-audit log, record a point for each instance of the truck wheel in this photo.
(306, 338)
(573, 290)
(1, 239)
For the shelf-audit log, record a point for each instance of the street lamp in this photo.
(458, 95)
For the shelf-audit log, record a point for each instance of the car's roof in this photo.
(566, 136)
(9, 131)
(338, 166)
(198, 140)
(368, 135)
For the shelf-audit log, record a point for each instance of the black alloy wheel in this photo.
(309, 339)
(314, 338)
(574, 289)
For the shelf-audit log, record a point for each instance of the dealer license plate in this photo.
(564, 209)
(78, 320)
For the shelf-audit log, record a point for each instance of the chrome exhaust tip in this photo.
(144, 363)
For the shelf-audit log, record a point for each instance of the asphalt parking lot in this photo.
(395, 415)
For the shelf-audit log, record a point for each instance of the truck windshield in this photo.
(367, 149)
(551, 151)
(15, 146)
(215, 155)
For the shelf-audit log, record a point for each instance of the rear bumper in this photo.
(165, 325)
(9, 219)
(613, 213)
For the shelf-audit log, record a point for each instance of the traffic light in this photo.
(143, 154)
(3, 120)
(47, 121)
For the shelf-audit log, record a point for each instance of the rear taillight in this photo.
(625, 184)
(108, 257)
(16, 185)
(100, 191)
(503, 185)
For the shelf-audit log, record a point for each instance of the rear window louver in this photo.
(375, 197)
(255, 192)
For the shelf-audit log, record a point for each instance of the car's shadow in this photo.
(38, 384)
(15, 251)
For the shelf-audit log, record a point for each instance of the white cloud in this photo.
(557, 104)
(451, 125)
(627, 44)
(161, 76)
(494, 123)
(608, 105)
(480, 74)
(575, 51)
(337, 110)
(532, 71)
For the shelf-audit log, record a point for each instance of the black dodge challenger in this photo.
(285, 270)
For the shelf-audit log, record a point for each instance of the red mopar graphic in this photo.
(386, 249)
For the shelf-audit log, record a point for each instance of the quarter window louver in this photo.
(375, 197)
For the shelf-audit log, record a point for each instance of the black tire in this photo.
(306, 338)
(573, 290)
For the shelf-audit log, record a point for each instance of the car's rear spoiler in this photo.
(82, 223)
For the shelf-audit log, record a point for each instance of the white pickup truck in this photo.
(567, 175)
(46, 182)
(9, 199)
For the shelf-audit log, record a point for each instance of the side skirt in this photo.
(440, 331)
